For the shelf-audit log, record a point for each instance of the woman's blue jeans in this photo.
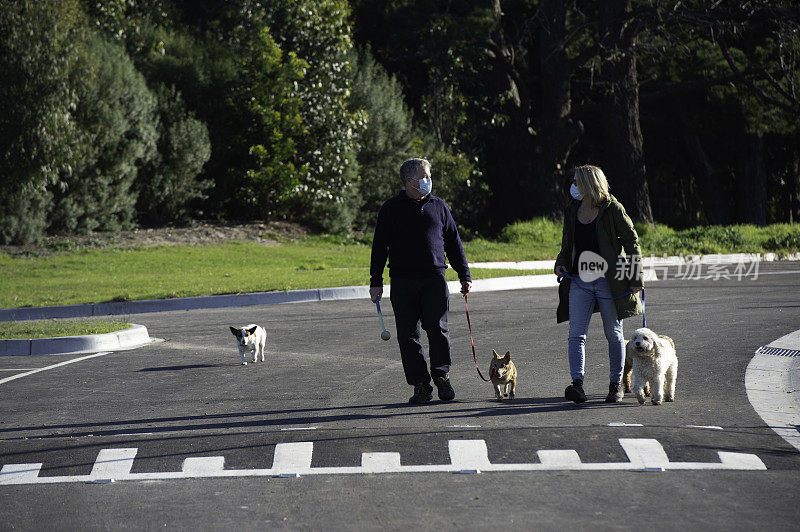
(582, 298)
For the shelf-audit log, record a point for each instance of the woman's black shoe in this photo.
(574, 392)
(615, 393)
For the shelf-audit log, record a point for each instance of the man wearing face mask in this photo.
(415, 230)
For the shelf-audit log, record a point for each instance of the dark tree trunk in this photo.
(558, 132)
(624, 153)
(793, 184)
(708, 184)
(508, 152)
(751, 181)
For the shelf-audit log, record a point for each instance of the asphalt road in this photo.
(330, 380)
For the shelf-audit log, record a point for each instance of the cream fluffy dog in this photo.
(653, 361)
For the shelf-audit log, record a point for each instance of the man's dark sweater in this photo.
(415, 235)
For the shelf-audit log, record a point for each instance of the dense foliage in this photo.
(116, 113)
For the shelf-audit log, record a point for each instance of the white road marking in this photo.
(566, 458)
(469, 454)
(293, 457)
(203, 466)
(623, 424)
(463, 426)
(298, 428)
(114, 463)
(712, 427)
(772, 383)
(20, 473)
(644, 451)
(14, 377)
(380, 462)
(466, 456)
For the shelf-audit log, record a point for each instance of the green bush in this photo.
(719, 239)
(539, 230)
(783, 237)
(169, 183)
(42, 44)
(318, 31)
(116, 119)
(386, 140)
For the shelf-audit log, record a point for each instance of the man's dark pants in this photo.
(422, 301)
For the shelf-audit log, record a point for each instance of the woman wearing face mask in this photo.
(596, 276)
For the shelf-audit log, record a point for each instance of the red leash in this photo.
(472, 341)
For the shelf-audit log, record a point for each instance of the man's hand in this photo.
(465, 287)
(560, 271)
(375, 293)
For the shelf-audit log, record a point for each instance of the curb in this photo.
(772, 382)
(650, 262)
(134, 336)
(262, 298)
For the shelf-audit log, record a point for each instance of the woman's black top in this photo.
(585, 240)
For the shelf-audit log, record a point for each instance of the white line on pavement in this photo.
(14, 377)
(293, 460)
(772, 384)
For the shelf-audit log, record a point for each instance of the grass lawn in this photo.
(19, 330)
(100, 275)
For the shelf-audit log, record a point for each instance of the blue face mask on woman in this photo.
(575, 193)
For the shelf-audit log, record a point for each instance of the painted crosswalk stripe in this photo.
(466, 456)
(740, 461)
(559, 458)
(203, 465)
(644, 452)
(292, 457)
(19, 473)
(113, 463)
(380, 462)
(469, 454)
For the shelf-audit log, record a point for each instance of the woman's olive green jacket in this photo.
(615, 232)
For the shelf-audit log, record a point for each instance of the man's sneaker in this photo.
(446, 391)
(615, 392)
(574, 391)
(423, 392)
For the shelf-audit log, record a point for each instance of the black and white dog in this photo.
(250, 338)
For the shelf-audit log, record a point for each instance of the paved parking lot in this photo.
(195, 440)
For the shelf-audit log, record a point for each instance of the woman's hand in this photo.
(560, 271)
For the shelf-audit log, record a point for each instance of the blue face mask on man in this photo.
(425, 186)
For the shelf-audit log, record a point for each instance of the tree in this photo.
(267, 90)
(116, 121)
(168, 185)
(737, 63)
(387, 138)
(41, 47)
(318, 31)
(624, 156)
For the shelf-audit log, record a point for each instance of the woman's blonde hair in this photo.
(592, 182)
